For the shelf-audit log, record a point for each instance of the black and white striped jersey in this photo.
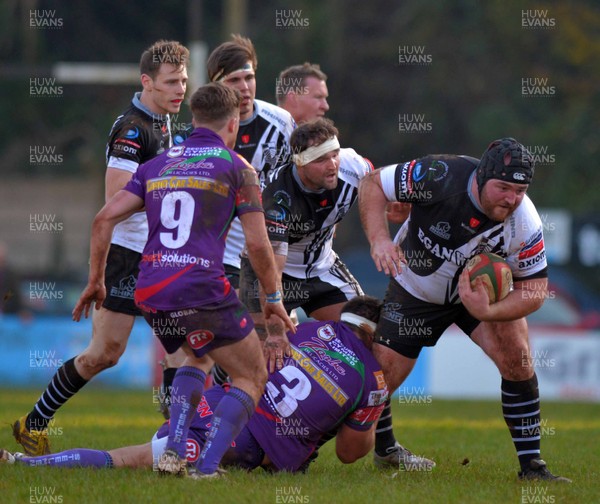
(446, 227)
(264, 141)
(306, 219)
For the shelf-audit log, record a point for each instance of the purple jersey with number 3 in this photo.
(331, 379)
(192, 192)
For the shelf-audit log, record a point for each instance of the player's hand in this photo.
(277, 345)
(387, 257)
(397, 212)
(92, 294)
(475, 300)
(278, 310)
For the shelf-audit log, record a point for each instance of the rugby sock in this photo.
(231, 414)
(521, 409)
(384, 433)
(65, 383)
(186, 393)
(79, 457)
(167, 384)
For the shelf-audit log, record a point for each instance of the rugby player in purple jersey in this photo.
(331, 381)
(191, 193)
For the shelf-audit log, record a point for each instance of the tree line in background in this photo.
(405, 78)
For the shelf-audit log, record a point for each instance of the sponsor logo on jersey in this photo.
(321, 352)
(183, 164)
(192, 450)
(276, 228)
(533, 246)
(282, 197)
(245, 139)
(319, 376)
(128, 149)
(377, 397)
(200, 338)
(530, 263)
(444, 253)
(349, 173)
(132, 133)
(441, 229)
(128, 142)
(200, 183)
(326, 333)
(405, 178)
(438, 170)
(379, 378)
(125, 289)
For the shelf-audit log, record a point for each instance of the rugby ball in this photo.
(495, 273)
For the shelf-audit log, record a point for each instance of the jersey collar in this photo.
(296, 176)
(470, 192)
(137, 103)
(245, 122)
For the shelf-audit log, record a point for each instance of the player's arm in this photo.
(351, 445)
(114, 181)
(372, 203)
(262, 259)
(528, 296)
(397, 212)
(121, 206)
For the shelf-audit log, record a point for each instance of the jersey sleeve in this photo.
(372, 402)
(277, 214)
(527, 253)
(415, 181)
(128, 147)
(353, 167)
(248, 196)
(136, 185)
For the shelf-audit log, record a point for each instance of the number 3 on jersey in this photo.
(177, 213)
(297, 389)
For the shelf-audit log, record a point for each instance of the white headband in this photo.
(219, 77)
(357, 320)
(316, 151)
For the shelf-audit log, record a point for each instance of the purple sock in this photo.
(186, 393)
(79, 457)
(230, 416)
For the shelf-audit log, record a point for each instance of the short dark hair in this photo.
(162, 52)
(214, 104)
(231, 56)
(312, 133)
(297, 73)
(368, 307)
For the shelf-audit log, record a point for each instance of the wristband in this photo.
(275, 297)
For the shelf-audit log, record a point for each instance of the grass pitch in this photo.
(475, 458)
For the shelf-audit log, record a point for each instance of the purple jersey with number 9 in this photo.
(192, 192)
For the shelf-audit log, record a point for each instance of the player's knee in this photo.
(514, 363)
(102, 357)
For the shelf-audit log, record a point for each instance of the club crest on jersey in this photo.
(175, 151)
(269, 153)
(326, 333)
(200, 338)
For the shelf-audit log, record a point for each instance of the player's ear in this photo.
(147, 82)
